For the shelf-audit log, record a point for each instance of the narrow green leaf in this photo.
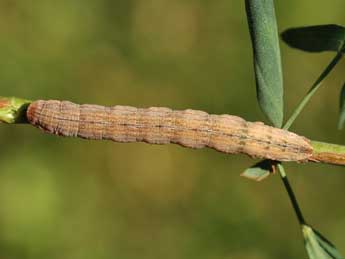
(260, 170)
(342, 109)
(329, 37)
(267, 64)
(317, 246)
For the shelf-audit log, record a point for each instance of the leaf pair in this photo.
(319, 38)
(318, 246)
(313, 39)
(269, 84)
(267, 64)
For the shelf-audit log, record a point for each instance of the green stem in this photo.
(328, 153)
(291, 194)
(313, 89)
(320, 147)
(12, 109)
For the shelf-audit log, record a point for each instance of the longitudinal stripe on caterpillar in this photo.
(241, 137)
(189, 128)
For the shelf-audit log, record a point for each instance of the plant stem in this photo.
(291, 194)
(328, 153)
(313, 89)
(13, 109)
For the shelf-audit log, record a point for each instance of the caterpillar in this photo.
(158, 125)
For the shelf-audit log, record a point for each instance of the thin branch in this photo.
(13, 110)
(291, 194)
(313, 90)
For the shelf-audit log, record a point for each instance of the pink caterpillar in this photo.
(188, 128)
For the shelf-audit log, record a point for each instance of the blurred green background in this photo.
(77, 199)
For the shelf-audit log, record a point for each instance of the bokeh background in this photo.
(77, 199)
